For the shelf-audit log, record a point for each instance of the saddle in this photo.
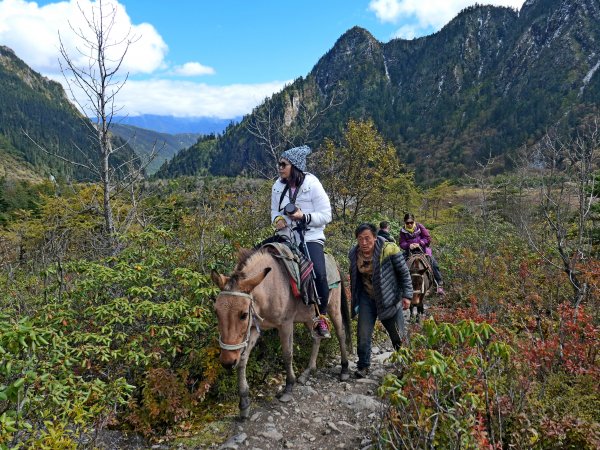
(299, 269)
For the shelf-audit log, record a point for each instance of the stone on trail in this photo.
(271, 434)
(382, 357)
(359, 402)
(333, 427)
(233, 443)
(367, 381)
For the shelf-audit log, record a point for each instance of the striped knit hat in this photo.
(297, 156)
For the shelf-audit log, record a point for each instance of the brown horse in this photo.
(257, 296)
(421, 275)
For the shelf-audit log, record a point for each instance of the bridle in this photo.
(422, 277)
(251, 315)
(418, 257)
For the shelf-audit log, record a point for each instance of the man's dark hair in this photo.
(383, 224)
(409, 216)
(365, 226)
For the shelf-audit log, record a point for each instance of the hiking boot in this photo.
(321, 329)
(362, 373)
(440, 291)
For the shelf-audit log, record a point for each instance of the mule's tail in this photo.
(346, 316)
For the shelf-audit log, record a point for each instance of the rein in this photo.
(251, 314)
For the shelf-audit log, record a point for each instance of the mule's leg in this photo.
(286, 336)
(243, 388)
(420, 310)
(312, 363)
(335, 314)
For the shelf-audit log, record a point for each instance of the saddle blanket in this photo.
(299, 269)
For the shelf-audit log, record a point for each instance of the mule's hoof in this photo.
(285, 397)
(303, 378)
(344, 376)
(244, 414)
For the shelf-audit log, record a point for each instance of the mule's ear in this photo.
(250, 283)
(218, 279)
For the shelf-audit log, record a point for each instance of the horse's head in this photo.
(234, 308)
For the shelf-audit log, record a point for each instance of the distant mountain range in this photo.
(148, 142)
(177, 125)
(490, 81)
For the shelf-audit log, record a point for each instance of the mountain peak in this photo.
(8, 56)
(355, 32)
(6, 50)
(355, 49)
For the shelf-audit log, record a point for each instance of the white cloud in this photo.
(408, 31)
(386, 10)
(192, 69)
(32, 32)
(421, 16)
(186, 98)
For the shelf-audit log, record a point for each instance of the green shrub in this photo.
(97, 329)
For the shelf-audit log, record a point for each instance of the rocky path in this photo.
(324, 414)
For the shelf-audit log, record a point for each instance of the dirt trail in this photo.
(324, 414)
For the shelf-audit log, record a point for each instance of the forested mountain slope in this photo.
(32, 105)
(490, 81)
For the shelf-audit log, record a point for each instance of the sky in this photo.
(213, 58)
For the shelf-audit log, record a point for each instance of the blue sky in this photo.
(218, 58)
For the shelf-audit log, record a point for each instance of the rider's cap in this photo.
(297, 156)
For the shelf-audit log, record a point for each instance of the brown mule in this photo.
(257, 296)
(421, 275)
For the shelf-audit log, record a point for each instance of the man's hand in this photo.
(405, 303)
(414, 245)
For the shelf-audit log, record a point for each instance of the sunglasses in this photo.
(283, 164)
(408, 223)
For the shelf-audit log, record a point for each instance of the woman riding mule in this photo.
(299, 201)
(414, 236)
(257, 296)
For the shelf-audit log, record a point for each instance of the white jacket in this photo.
(312, 200)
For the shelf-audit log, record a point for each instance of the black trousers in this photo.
(317, 256)
(436, 271)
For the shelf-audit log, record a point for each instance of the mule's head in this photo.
(234, 312)
(420, 283)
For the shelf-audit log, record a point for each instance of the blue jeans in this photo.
(367, 315)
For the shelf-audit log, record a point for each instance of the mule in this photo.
(257, 296)
(421, 275)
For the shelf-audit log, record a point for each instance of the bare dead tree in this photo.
(565, 175)
(94, 85)
(480, 180)
(277, 130)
